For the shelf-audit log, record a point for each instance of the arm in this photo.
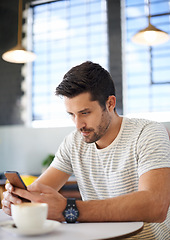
(53, 178)
(150, 203)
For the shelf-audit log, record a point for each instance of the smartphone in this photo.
(15, 179)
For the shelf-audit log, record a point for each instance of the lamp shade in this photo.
(150, 36)
(18, 54)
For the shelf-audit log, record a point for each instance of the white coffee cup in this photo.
(29, 215)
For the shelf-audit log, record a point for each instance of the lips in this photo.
(85, 133)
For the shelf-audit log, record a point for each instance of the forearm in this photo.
(54, 178)
(137, 206)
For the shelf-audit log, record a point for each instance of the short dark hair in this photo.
(87, 77)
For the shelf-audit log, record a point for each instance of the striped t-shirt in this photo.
(140, 146)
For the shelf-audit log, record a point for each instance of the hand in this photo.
(38, 192)
(9, 198)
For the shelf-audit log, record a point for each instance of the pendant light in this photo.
(19, 54)
(150, 35)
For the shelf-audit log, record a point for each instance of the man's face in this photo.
(89, 117)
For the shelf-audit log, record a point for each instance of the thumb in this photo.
(39, 187)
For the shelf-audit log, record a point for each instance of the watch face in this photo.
(71, 214)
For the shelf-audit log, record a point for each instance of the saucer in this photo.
(48, 227)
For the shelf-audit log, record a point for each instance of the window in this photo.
(65, 34)
(147, 68)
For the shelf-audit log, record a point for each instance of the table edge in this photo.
(123, 236)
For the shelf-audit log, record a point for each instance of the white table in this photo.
(78, 231)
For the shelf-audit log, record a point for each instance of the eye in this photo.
(71, 114)
(85, 113)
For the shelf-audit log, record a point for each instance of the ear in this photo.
(111, 103)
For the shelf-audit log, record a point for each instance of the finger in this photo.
(33, 197)
(11, 198)
(7, 210)
(9, 187)
(7, 200)
(5, 203)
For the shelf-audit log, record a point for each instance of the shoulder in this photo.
(148, 134)
(138, 122)
(144, 125)
(143, 131)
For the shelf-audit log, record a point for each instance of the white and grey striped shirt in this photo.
(140, 146)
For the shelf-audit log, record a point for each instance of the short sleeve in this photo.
(62, 157)
(153, 148)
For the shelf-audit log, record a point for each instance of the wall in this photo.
(115, 49)
(10, 73)
(23, 149)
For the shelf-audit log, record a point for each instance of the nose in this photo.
(79, 122)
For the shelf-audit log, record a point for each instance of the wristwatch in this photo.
(71, 212)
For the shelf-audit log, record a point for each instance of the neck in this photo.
(111, 133)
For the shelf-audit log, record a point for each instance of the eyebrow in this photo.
(84, 110)
(81, 111)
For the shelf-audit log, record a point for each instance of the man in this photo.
(122, 165)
